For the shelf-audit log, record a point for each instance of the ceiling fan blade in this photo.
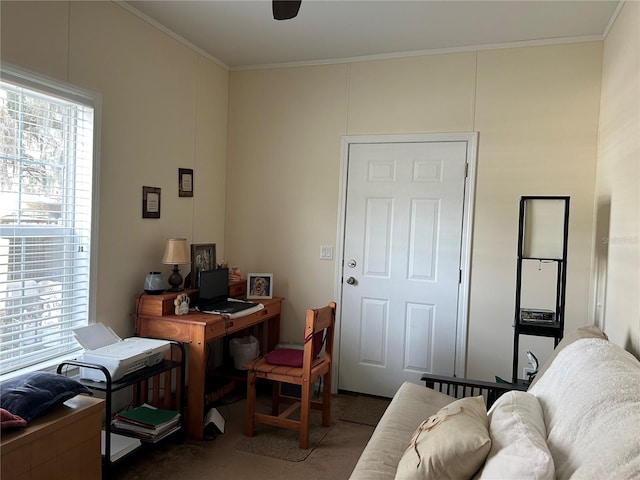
(285, 9)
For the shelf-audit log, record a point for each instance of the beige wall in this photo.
(164, 108)
(271, 200)
(282, 182)
(618, 201)
(536, 112)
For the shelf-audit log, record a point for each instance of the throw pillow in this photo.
(288, 357)
(518, 440)
(293, 357)
(33, 394)
(452, 444)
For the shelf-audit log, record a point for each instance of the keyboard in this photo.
(226, 307)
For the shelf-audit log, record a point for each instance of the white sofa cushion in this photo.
(518, 440)
(452, 444)
(410, 405)
(590, 398)
(586, 331)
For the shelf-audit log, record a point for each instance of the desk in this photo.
(196, 330)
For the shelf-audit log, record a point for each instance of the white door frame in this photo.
(467, 229)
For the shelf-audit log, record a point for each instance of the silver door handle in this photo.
(351, 281)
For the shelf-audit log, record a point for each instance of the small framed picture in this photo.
(203, 257)
(185, 182)
(150, 202)
(259, 285)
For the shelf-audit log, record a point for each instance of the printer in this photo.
(121, 357)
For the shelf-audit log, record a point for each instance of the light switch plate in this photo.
(326, 252)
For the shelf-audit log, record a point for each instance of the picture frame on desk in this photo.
(203, 257)
(259, 286)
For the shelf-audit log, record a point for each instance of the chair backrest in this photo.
(320, 323)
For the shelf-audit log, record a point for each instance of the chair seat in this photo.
(290, 357)
(262, 369)
(261, 366)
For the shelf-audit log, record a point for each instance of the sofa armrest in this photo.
(462, 387)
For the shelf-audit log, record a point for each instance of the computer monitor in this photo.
(214, 285)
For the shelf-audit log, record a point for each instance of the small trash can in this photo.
(243, 350)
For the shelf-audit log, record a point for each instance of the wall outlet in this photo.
(526, 372)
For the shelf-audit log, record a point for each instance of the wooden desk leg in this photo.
(196, 381)
(273, 332)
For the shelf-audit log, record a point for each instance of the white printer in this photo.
(121, 357)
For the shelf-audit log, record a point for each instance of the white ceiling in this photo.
(243, 33)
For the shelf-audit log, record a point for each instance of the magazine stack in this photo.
(147, 423)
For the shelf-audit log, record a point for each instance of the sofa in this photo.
(579, 419)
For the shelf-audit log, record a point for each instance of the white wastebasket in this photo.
(243, 350)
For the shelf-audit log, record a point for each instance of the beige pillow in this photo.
(518, 440)
(452, 444)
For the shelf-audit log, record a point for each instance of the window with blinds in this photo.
(46, 192)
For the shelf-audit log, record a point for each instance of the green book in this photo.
(147, 416)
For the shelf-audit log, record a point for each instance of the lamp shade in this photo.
(176, 252)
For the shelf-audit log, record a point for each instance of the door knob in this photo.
(351, 281)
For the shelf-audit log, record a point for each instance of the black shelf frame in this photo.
(554, 330)
(135, 378)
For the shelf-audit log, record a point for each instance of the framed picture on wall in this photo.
(185, 182)
(259, 285)
(203, 257)
(150, 202)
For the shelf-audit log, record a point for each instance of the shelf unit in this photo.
(147, 387)
(543, 233)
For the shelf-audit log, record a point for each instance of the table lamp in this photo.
(176, 253)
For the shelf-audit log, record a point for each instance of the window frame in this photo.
(57, 88)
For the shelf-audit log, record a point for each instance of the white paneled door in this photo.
(402, 263)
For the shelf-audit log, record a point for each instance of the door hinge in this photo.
(459, 276)
(466, 170)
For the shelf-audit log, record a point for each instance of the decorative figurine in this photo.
(182, 304)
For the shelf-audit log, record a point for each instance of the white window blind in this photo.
(46, 174)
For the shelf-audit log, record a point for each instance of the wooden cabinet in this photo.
(162, 304)
(63, 444)
(238, 289)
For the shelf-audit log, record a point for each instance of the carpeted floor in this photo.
(269, 455)
(362, 409)
(284, 444)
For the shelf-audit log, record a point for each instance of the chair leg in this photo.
(305, 406)
(275, 398)
(251, 404)
(326, 400)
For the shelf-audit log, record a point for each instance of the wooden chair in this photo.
(304, 374)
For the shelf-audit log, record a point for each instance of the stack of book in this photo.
(147, 423)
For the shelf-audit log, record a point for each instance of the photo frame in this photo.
(259, 286)
(185, 182)
(203, 257)
(150, 202)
